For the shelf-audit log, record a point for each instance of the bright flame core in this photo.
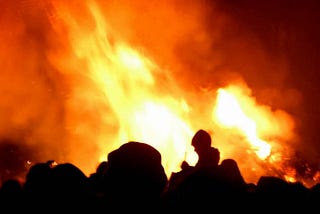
(127, 81)
(230, 114)
(133, 98)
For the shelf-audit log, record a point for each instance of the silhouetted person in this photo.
(231, 175)
(38, 182)
(37, 187)
(197, 185)
(208, 158)
(69, 183)
(11, 195)
(56, 187)
(97, 186)
(136, 177)
(97, 179)
(233, 188)
(208, 155)
(279, 193)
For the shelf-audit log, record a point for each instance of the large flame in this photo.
(117, 92)
(229, 113)
(146, 106)
(260, 134)
(127, 81)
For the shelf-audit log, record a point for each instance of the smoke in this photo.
(271, 46)
(274, 46)
(31, 90)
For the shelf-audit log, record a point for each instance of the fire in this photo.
(118, 93)
(139, 102)
(130, 59)
(258, 130)
(126, 78)
(230, 114)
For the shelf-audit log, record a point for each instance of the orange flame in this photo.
(265, 131)
(135, 99)
(229, 113)
(126, 79)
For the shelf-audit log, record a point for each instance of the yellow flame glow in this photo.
(120, 85)
(229, 113)
(126, 79)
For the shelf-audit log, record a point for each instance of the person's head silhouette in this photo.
(208, 155)
(201, 139)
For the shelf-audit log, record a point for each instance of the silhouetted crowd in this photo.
(133, 179)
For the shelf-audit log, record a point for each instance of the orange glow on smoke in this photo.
(134, 96)
(115, 92)
(126, 79)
